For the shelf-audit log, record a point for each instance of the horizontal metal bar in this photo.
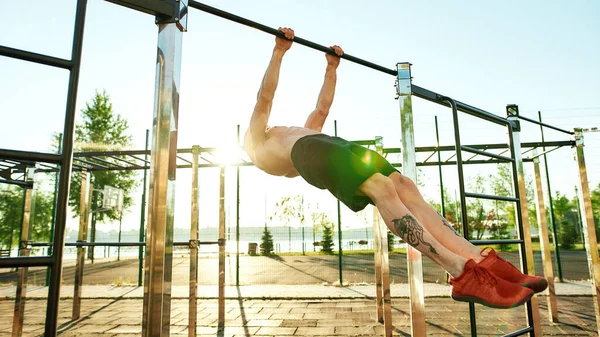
(31, 156)
(495, 242)
(485, 153)
(26, 261)
(490, 197)
(36, 58)
(149, 7)
(17, 182)
(543, 153)
(519, 332)
(545, 125)
(269, 30)
(435, 98)
(364, 142)
(116, 244)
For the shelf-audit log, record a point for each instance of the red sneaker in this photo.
(505, 270)
(477, 284)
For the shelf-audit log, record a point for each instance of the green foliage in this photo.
(566, 214)
(327, 239)
(321, 221)
(595, 196)
(290, 208)
(568, 234)
(266, 245)
(390, 241)
(102, 129)
(11, 215)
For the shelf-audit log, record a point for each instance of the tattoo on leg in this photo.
(409, 230)
(447, 224)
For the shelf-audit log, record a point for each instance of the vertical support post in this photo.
(221, 314)
(58, 150)
(551, 204)
(385, 261)
(24, 250)
(544, 241)
(159, 237)
(463, 200)
(587, 220)
(377, 257)
(525, 249)
(409, 169)
(339, 218)
(119, 237)
(193, 299)
(81, 238)
(143, 215)
(237, 216)
(439, 156)
(64, 180)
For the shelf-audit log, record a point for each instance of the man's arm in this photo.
(317, 118)
(264, 99)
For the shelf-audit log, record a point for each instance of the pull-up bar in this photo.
(416, 90)
(269, 30)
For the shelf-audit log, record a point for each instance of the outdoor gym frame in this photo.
(171, 18)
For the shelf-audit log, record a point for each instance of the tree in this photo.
(288, 209)
(11, 215)
(266, 245)
(595, 196)
(478, 218)
(390, 240)
(101, 129)
(321, 220)
(327, 239)
(565, 211)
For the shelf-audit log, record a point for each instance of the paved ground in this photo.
(340, 317)
(256, 270)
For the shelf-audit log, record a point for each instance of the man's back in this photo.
(273, 153)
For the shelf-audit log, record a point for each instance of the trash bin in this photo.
(252, 248)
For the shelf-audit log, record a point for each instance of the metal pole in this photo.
(532, 310)
(24, 250)
(463, 201)
(237, 217)
(64, 180)
(193, 299)
(409, 167)
(339, 216)
(385, 261)
(302, 224)
(142, 233)
(551, 204)
(544, 241)
(119, 238)
(59, 149)
(221, 310)
(437, 137)
(81, 237)
(159, 237)
(587, 220)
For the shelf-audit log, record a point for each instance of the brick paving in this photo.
(293, 317)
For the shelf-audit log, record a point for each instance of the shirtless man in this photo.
(358, 176)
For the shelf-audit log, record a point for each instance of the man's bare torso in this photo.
(273, 155)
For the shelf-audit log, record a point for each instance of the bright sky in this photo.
(538, 54)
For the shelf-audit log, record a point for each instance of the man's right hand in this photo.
(284, 44)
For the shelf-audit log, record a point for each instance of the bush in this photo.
(266, 245)
(568, 235)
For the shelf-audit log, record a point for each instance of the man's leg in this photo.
(439, 227)
(471, 282)
(402, 223)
